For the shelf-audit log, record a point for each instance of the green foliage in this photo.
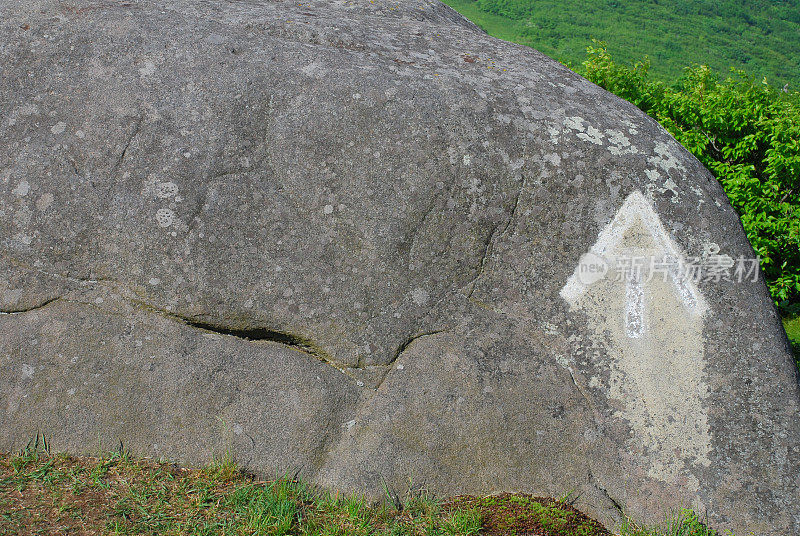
(746, 132)
(759, 36)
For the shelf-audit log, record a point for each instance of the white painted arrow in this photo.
(635, 232)
(652, 330)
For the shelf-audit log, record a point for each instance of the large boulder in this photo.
(364, 240)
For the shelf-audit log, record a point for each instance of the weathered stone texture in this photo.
(333, 236)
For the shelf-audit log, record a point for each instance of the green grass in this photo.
(792, 326)
(117, 494)
(760, 37)
(686, 523)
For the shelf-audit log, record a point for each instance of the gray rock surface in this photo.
(342, 237)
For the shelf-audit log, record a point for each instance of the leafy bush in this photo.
(747, 133)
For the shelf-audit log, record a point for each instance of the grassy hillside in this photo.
(760, 36)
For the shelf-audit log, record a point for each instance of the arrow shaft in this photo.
(634, 306)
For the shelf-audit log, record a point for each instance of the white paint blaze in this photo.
(637, 212)
(652, 329)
